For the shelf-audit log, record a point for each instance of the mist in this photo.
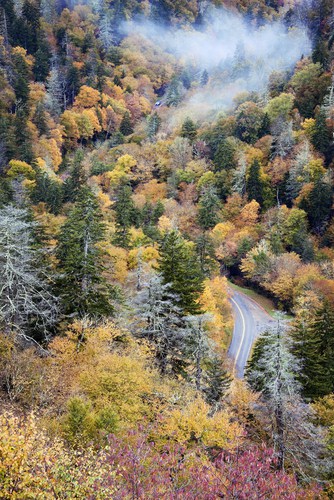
(238, 57)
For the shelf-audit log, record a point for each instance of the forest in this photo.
(155, 156)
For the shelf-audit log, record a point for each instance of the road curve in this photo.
(250, 320)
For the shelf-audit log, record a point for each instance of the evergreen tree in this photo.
(314, 345)
(149, 217)
(153, 124)
(189, 130)
(318, 205)
(83, 289)
(204, 78)
(39, 119)
(322, 139)
(42, 60)
(173, 96)
(163, 324)
(218, 382)
(23, 138)
(179, 266)
(206, 253)
(126, 215)
(47, 191)
(77, 178)
(254, 183)
(31, 16)
(126, 127)
(27, 306)
(198, 346)
(208, 209)
(21, 78)
(224, 158)
(72, 83)
(274, 371)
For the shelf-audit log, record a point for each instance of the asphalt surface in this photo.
(250, 320)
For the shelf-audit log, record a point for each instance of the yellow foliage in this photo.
(249, 215)
(120, 381)
(18, 168)
(121, 171)
(104, 200)
(165, 224)
(315, 169)
(214, 300)
(126, 163)
(117, 262)
(241, 400)
(153, 190)
(193, 424)
(34, 468)
(309, 127)
(221, 231)
(48, 150)
(87, 97)
(148, 255)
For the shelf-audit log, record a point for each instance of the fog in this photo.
(237, 56)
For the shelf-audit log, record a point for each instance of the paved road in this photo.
(249, 321)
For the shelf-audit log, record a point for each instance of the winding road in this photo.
(250, 319)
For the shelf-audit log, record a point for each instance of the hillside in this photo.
(151, 153)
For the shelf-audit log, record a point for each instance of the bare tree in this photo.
(26, 304)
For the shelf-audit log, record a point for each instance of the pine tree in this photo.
(163, 324)
(23, 138)
(189, 130)
(198, 346)
(42, 60)
(77, 178)
(153, 124)
(179, 266)
(27, 306)
(318, 205)
(47, 191)
(204, 78)
(82, 287)
(21, 78)
(173, 96)
(126, 127)
(254, 183)
(206, 254)
(321, 139)
(314, 345)
(208, 209)
(218, 382)
(126, 215)
(224, 158)
(39, 119)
